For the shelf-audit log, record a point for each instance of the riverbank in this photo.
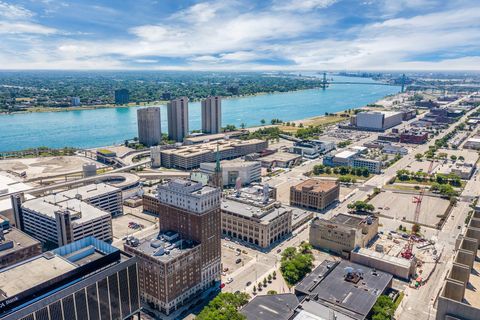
(38, 109)
(113, 125)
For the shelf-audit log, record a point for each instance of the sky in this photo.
(240, 34)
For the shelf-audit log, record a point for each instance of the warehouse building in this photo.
(376, 121)
(343, 233)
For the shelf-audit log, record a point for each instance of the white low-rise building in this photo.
(247, 171)
(60, 220)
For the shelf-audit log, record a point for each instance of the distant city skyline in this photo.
(241, 35)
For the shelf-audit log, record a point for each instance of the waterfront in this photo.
(99, 127)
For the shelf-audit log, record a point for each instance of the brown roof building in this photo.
(191, 212)
(314, 194)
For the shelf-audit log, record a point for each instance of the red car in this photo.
(222, 285)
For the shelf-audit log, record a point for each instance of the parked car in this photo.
(238, 260)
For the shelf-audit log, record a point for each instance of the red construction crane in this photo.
(407, 252)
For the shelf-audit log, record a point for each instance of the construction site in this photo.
(412, 207)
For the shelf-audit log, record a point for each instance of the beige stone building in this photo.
(343, 233)
(314, 194)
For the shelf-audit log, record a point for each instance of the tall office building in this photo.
(149, 127)
(177, 111)
(212, 115)
(86, 279)
(188, 244)
(122, 96)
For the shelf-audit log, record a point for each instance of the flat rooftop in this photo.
(252, 211)
(80, 211)
(315, 185)
(349, 287)
(163, 246)
(271, 307)
(210, 147)
(345, 154)
(380, 256)
(31, 273)
(280, 156)
(226, 164)
(216, 136)
(20, 241)
(90, 191)
(347, 220)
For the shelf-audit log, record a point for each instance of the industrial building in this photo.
(149, 126)
(190, 157)
(251, 215)
(176, 259)
(246, 171)
(86, 279)
(314, 194)
(16, 246)
(58, 220)
(189, 211)
(177, 113)
(414, 136)
(376, 120)
(271, 307)
(312, 149)
(458, 297)
(342, 233)
(122, 96)
(212, 115)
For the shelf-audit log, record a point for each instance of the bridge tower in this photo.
(324, 81)
(403, 82)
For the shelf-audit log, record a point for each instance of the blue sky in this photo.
(241, 34)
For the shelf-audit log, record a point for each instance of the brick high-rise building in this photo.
(188, 244)
(314, 194)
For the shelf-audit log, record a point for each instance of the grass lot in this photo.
(317, 121)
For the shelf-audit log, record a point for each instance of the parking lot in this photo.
(400, 206)
(129, 223)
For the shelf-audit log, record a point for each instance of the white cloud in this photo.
(302, 5)
(24, 27)
(11, 11)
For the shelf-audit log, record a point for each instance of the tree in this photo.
(262, 121)
(418, 156)
(383, 309)
(274, 274)
(243, 125)
(254, 289)
(305, 247)
(271, 292)
(260, 286)
(265, 282)
(453, 157)
(225, 306)
(269, 278)
(295, 265)
(461, 158)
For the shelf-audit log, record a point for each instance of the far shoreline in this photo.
(250, 128)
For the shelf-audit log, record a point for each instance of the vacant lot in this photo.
(400, 206)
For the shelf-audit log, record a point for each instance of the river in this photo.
(101, 127)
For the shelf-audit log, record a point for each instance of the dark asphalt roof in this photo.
(271, 307)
